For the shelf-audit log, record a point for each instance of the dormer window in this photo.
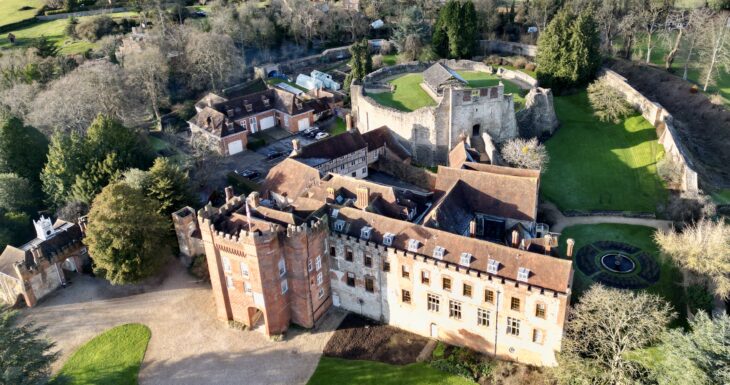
(339, 225)
(365, 232)
(265, 100)
(465, 259)
(388, 239)
(249, 107)
(523, 274)
(492, 266)
(413, 245)
(229, 113)
(335, 213)
(438, 252)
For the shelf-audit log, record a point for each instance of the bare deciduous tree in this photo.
(213, 59)
(603, 328)
(703, 248)
(148, 70)
(716, 47)
(525, 153)
(652, 21)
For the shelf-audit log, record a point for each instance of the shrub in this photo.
(608, 103)
(525, 153)
(255, 143)
(520, 62)
(493, 60)
(236, 325)
(670, 171)
(463, 362)
(93, 29)
(530, 66)
(698, 298)
(377, 61)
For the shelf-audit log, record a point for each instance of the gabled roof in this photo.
(66, 234)
(438, 74)
(383, 136)
(334, 147)
(546, 271)
(216, 123)
(289, 178)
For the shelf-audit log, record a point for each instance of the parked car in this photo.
(321, 135)
(250, 174)
(312, 134)
(274, 154)
(311, 129)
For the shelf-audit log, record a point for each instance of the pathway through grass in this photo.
(113, 357)
(336, 371)
(602, 166)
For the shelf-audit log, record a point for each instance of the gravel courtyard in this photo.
(189, 345)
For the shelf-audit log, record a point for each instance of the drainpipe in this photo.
(496, 323)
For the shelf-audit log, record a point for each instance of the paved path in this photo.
(189, 345)
(561, 222)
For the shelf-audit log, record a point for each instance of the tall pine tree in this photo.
(455, 31)
(25, 357)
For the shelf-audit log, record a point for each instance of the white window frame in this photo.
(282, 267)
(465, 259)
(365, 232)
(309, 265)
(513, 324)
(538, 336)
(483, 317)
(318, 263)
(284, 286)
(492, 266)
(321, 293)
(226, 264)
(523, 274)
(247, 288)
(388, 239)
(245, 273)
(438, 252)
(320, 278)
(413, 245)
(229, 282)
(339, 225)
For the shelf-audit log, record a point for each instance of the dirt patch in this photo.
(703, 127)
(359, 338)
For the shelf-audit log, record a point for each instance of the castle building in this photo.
(465, 262)
(40, 266)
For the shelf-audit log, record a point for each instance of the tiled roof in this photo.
(289, 178)
(439, 74)
(216, 123)
(66, 234)
(545, 271)
(383, 136)
(331, 148)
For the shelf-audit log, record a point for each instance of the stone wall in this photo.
(507, 48)
(662, 120)
(517, 76)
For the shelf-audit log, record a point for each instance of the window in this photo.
(309, 265)
(368, 260)
(332, 251)
(386, 266)
(540, 310)
(284, 287)
(413, 245)
(335, 213)
(515, 304)
(482, 317)
(351, 279)
(523, 274)
(318, 263)
(454, 309)
(425, 277)
(247, 288)
(537, 336)
(226, 264)
(244, 270)
(492, 266)
(405, 271)
(388, 239)
(465, 259)
(320, 278)
(446, 283)
(513, 326)
(467, 290)
(321, 292)
(489, 296)
(365, 232)
(348, 255)
(438, 252)
(229, 282)
(406, 296)
(282, 267)
(339, 225)
(433, 303)
(369, 284)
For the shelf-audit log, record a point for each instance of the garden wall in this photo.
(518, 76)
(82, 13)
(662, 120)
(507, 48)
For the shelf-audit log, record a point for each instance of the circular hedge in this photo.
(588, 262)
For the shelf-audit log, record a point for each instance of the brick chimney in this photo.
(569, 250)
(473, 228)
(548, 243)
(229, 193)
(363, 197)
(515, 238)
(330, 194)
(348, 122)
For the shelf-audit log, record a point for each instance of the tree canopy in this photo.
(25, 358)
(23, 149)
(126, 235)
(455, 31)
(361, 62)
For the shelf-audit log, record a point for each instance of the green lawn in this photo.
(339, 127)
(670, 278)
(722, 197)
(275, 81)
(335, 371)
(389, 60)
(54, 30)
(113, 357)
(602, 166)
(476, 79)
(10, 10)
(408, 95)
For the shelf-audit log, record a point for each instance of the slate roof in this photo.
(66, 235)
(438, 74)
(216, 123)
(272, 98)
(383, 136)
(334, 147)
(460, 154)
(545, 271)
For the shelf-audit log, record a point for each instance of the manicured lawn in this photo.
(275, 81)
(478, 79)
(113, 357)
(389, 60)
(336, 371)
(339, 127)
(408, 94)
(54, 30)
(722, 197)
(602, 166)
(10, 10)
(670, 278)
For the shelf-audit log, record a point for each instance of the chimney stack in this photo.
(363, 197)
(569, 249)
(348, 122)
(548, 243)
(473, 228)
(255, 199)
(515, 238)
(295, 145)
(330, 194)
(229, 193)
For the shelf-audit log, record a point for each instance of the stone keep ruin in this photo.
(482, 115)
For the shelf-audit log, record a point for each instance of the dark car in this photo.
(250, 174)
(274, 154)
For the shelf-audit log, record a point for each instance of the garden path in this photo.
(562, 222)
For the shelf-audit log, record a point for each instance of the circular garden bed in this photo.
(592, 259)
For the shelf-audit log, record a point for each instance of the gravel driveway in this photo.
(189, 345)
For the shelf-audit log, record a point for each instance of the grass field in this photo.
(10, 10)
(113, 357)
(477, 79)
(408, 94)
(335, 371)
(670, 278)
(55, 31)
(602, 166)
